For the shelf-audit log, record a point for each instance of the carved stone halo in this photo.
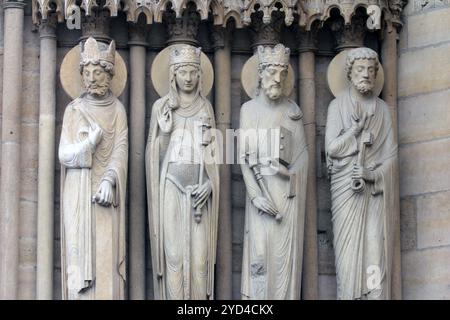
(160, 72)
(337, 78)
(72, 82)
(249, 78)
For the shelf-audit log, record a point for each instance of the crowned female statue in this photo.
(93, 152)
(182, 180)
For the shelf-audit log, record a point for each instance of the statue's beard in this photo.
(364, 87)
(97, 89)
(273, 91)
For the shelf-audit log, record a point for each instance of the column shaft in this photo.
(46, 176)
(137, 194)
(10, 161)
(389, 94)
(307, 103)
(222, 66)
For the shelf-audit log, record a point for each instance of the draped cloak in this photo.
(273, 251)
(363, 223)
(93, 243)
(160, 208)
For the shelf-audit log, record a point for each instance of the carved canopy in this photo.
(307, 11)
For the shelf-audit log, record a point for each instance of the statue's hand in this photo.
(201, 194)
(104, 195)
(360, 172)
(95, 135)
(358, 123)
(279, 168)
(265, 205)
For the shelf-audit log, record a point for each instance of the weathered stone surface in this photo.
(236, 285)
(57, 254)
(30, 145)
(27, 252)
(429, 28)
(237, 257)
(424, 167)
(26, 283)
(30, 96)
(408, 224)
(431, 74)
(327, 287)
(326, 253)
(403, 36)
(433, 220)
(238, 194)
(28, 219)
(323, 93)
(425, 117)
(28, 178)
(238, 225)
(426, 274)
(57, 295)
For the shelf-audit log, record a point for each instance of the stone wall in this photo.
(424, 139)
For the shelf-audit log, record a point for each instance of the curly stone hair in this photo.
(360, 54)
(108, 66)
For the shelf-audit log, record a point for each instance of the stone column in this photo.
(389, 61)
(10, 162)
(47, 102)
(389, 94)
(137, 194)
(222, 70)
(307, 96)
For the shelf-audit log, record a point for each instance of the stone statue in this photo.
(182, 182)
(361, 156)
(274, 163)
(93, 152)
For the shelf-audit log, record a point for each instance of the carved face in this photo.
(272, 81)
(363, 75)
(187, 78)
(96, 79)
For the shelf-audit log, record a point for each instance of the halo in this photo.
(72, 82)
(337, 78)
(160, 72)
(250, 78)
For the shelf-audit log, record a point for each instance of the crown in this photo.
(278, 55)
(93, 52)
(185, 54)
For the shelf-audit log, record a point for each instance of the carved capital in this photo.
(266, 33)
(96, 25)
(219, 37)
(183, 29)
(138, 32)
(396, 9)
(349, 35)
(47, 27)
(307, 40)
(18, 4)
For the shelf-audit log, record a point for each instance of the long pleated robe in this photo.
(183, 251)
(92, 236)
(273, 251)
(363, 223)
